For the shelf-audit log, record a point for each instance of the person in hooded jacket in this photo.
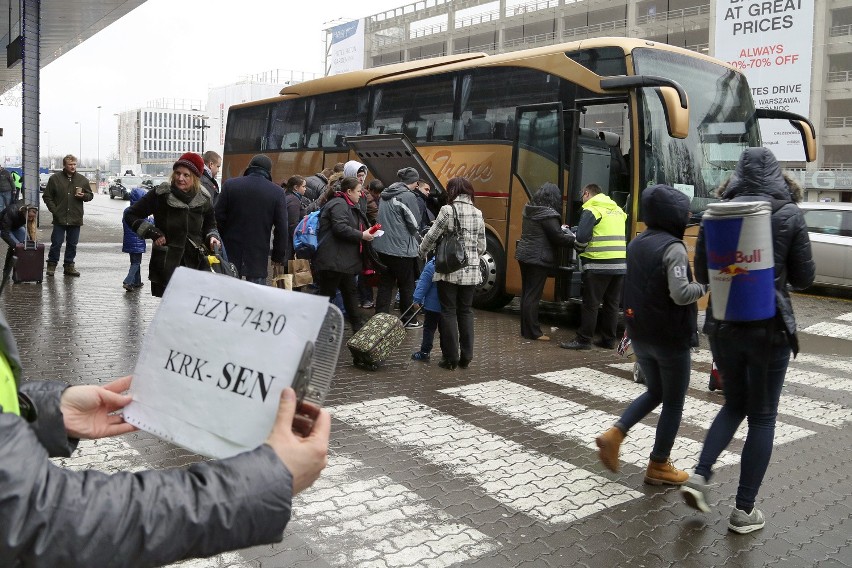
(134, 245)
(343, 229)
(399, 248)
(542, 235)
(658, 287)
(753, 356)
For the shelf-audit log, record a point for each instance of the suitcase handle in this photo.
(410, 319)
(28, 242)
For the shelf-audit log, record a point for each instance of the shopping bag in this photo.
(300, 270)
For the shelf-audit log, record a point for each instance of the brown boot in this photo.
(51, 268)
(609, 443)
(70, 270)
(665, 472)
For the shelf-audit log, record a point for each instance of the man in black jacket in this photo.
(250, 210)
(212, 163)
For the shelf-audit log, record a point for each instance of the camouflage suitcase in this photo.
(374, 342)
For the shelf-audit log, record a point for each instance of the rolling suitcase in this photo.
(29, 266)
(374, 342)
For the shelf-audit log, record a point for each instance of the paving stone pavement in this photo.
(493, 466)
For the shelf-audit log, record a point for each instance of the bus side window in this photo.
(442, 130)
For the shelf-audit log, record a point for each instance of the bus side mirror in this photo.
(677, 116)
(808, 138)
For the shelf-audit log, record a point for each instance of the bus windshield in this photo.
(721, 125)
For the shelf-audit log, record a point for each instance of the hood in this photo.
(257, 171)
(136, 194)
(393, 190)
(757, 173)
(539, 212)
(350, 168)
(666, 209)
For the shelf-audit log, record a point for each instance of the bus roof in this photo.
(397, 71)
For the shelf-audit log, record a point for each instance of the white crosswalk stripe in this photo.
(830, 329)
(564, 418)
(797, 375)
(824, 361)
(845, 317)
(353, 522)
(696, 412)
(812, 410)
(548, 489)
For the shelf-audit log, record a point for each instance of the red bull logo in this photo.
(735, 257)
(733, 270)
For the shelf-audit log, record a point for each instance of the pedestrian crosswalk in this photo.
(358, 514)
(840, 327)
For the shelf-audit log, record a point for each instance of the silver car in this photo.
(830, 230)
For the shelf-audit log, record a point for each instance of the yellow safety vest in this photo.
(8, 388)
(608, 240)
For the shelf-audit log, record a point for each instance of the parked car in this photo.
(830, 230)
(154, 181)
(121, 186)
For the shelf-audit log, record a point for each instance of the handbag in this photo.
(219, 263)
(300, 269)
(450, 254)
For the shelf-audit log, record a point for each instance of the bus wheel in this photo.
(490, 293)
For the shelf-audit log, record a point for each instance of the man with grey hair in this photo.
(212, 163)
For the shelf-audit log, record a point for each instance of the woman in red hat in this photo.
(183, 222)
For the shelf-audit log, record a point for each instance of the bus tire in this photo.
(490, 294)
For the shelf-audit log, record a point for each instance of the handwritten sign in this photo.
(215, 359)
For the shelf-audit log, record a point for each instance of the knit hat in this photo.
(191, 161)
(261, 161)
(408, 175)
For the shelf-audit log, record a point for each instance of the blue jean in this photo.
(68, 233)
(666, 372)
(6, 198)
(752, 390)
(430, 326)
(134, 275)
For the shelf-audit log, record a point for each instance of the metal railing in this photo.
(479, 18)
(532, 6)
(837, 166)
(594, 28)
(673, 15)
(530, 40)
(843, 30)
(407, 9)
(838, 121)
(699, 47)
(428, 30)
(838, 76)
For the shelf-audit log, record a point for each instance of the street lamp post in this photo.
(98, 165)
(201, 122)
(80, 134)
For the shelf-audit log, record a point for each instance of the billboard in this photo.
(347, 47)
(772, 44)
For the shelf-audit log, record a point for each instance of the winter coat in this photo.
(316, 186)
(426, 291)
(12, 218)
(473, 233)
(133, 243)
(211, 185)
(426, 217)
(541, 235)
(340, 236)
(295, 211)
(177, 221)
(59, 197)
(659, 294)
(350, 168)
(6, 183)
(250, 210)
(53, 516)
(758, 177)
(399, 218)
(601, 232)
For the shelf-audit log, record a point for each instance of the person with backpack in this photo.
(753, 356)
(343, 229)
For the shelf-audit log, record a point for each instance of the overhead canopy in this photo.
(64, 25)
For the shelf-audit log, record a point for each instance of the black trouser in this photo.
(600, 288)
(533, 278)
(400, 271)
(456, 321)
(330, 281)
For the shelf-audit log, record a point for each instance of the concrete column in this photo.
(632, 28)
(819, 67)
(30, 34)
(451, 28)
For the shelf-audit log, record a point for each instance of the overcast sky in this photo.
(173, 49)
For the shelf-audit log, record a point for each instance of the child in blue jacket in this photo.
(426, 295)
(134, 245)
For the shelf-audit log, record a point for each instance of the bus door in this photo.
(538, 156)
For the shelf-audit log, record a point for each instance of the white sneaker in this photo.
(743, 523)
(694, 492)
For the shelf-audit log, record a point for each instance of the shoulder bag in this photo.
(450, 254)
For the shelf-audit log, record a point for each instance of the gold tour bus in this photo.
(622, 113)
